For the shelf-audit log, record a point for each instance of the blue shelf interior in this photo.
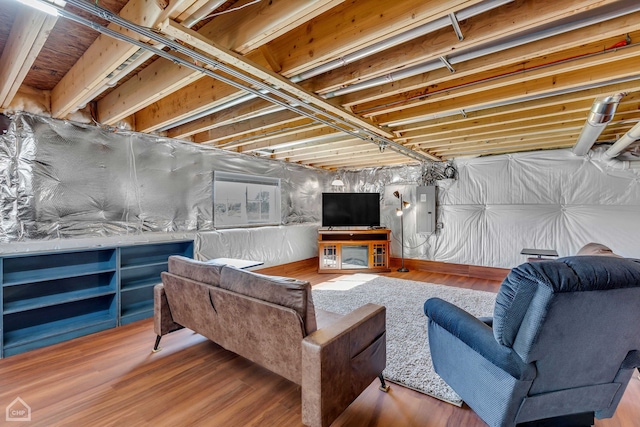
(136, 301)
(23, 327)
(139, 255)
(140, 277)
(45, 267)
(41, 294)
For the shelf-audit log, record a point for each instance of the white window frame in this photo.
(236, 201)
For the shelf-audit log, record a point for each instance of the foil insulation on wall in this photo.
(61, 179)
(498, 205)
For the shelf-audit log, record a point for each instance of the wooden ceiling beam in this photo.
(540, 132)
(544, 86)
(372, 157)
(280, 134)
(510, 142)
(204, 105)
(155, 117)
(268, 123)
(198, 96)
(505, 21)
(253, 108)
(266, 21)
(524, 126)
(101, 61)
(479, 124)
(300, 137)
(485, 82)
(586, 41)
(327, 37)
(350, 151)
(275, 17)
(28, 34)
(304, 151)
(259, 72)
(150, 85)
(537, 107)
(514, 148)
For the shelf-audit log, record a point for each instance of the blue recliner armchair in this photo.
(563, 342)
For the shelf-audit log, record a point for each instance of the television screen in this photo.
(350, 209)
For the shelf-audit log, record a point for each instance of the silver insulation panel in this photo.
(498, 205)
(61, 179)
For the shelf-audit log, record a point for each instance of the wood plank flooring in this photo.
(111, 378)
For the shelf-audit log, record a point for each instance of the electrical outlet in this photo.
(439, 226)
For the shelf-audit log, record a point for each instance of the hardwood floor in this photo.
(111, 378)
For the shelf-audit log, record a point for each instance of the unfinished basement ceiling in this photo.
(328, 83)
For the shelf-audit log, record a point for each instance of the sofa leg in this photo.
(383, 385)
(156, 347)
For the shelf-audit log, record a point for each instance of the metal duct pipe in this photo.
(600, 115)
(627, 139)
(491, 48)
(419, 31)
(201, 13)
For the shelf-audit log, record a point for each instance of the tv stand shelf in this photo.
(353, 250)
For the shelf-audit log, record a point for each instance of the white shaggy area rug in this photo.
(408, 356)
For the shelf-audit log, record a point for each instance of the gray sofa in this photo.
(272, 322)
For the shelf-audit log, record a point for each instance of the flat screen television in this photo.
(350, 209)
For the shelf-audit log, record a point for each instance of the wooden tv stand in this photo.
(343, 250)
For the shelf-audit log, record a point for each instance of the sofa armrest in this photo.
(339, 361)
(162, 320)
(478, 336)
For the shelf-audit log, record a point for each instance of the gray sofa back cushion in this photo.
(291, 293)
(201, 271)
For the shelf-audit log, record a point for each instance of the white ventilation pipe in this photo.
(633, 6)
(414, 33)
(627, 139)
(600, 115)
(201, 13)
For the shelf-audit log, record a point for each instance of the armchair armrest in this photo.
(339, 361)
(478, 336)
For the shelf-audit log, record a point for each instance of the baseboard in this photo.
(476, 271)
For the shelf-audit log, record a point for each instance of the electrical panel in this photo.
(426, 209)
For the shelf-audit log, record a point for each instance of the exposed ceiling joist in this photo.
(28, 35)
(101, 63)
(271, 78)
(232, 32)
(524, 74)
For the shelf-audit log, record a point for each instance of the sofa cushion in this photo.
(201, 271)
(291, 293)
